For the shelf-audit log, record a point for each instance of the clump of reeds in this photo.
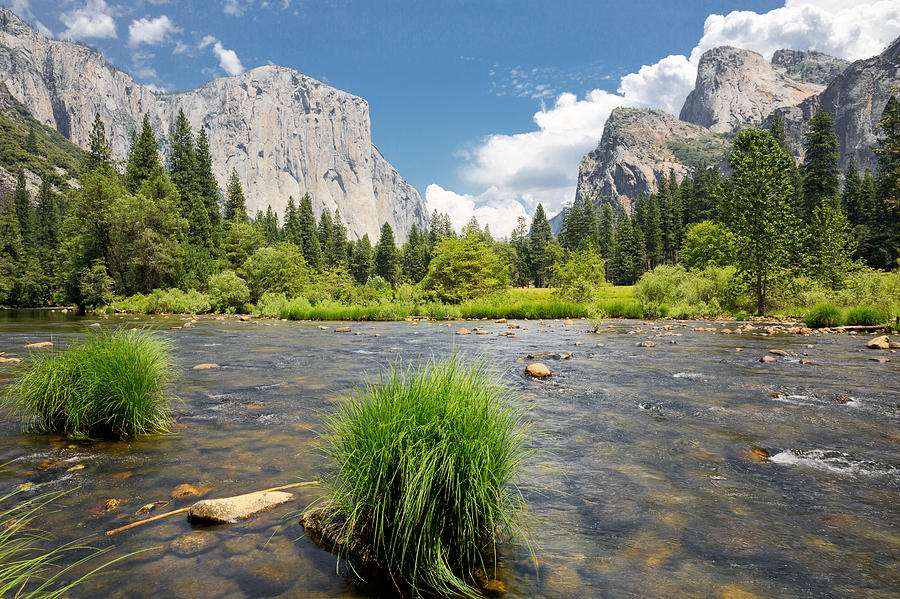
(113, 385)
(823, 315)
(426, 465)
(866, 316)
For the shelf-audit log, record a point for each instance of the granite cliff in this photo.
(284, 132)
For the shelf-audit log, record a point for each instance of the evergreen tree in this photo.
(292, 223)
(47, 238)
(521, 246)
(339, 246)
(235, 203)
(309, 237)
(207, 188)
(414, 256)
(703, 202)
(24, 210)
(653, 235)
(821, 175)
(852, 195)
(362, 261)
(888, 183)
(387, 261)
(628, 258)
(670, 217)
(99, 154)
(831, 257)
(183, 166)
(11, 252)
(31, 142)
(326, 224)
(541, 256)
(605, 242)
(143, 157)
(779, 131)
(270, 226)
(760, 215)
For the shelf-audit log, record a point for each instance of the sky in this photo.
(486, 107)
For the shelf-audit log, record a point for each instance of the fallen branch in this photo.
(530, 356)
(187, 509)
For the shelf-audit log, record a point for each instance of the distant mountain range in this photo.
(285, 133)
(735, 89)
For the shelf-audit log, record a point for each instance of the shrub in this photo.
(707, 244)
(114, 385)
(866, 316)
(228, 292)
(278, 269)
(463, 268)
(823, 315)
(426, 462)
(577, 278)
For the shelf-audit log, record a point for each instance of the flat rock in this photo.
(209, 366)
(768, 359)
(779, 352)
(500, 321)
(463, 331)
(191, 544)
(39, 345)
(342, 329)
(231, 509)
(882, 342)
(9, 360)
(538, 370)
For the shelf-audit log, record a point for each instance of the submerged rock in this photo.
(39, 345)
(9, 360)
(645, 344)
(231, 509)
(191, 544)
(342, 330)
(186, 490)
(538, 370)
(208, 366)
(327, 530)
(882, 342)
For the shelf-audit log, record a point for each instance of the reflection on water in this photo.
(646, 484)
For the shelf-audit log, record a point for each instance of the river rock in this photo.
(482, 332)
(779, 352)
(231, 509)
(342, 329)
(244, 318)
(39, 345)
(568, 322)
(513, 325)
(96, 325)
(538, 370)
(882, 342)
(768, 359)
(9, 360)
(209, 366)
(186, 490)
(500, 321)
(327, 531)
(191, 544)
(881, 359)
(463, 331)
(645, 344)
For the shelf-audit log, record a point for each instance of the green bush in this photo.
(427, 460)
(114, 385)
(714, 287)
(228, 292)
(278, 269)
(823, 315)
(464, 268)
(865, 316)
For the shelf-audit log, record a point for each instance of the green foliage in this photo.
(628, 257)
(235, 202)
(539, 250)
(227, 292)
(577, 278)
(11, 252)
(387, 258)
(114, 385)
(165, 301)
(143, 157)
(821, 175)
(426, 464)
(362, 260)
(278, 269)
(708, 150)
(308, 235)
(712, 291)
(706, 244)
(95, 286)
(463, 268)
(823, 315)
(241, 240)
(865, 316)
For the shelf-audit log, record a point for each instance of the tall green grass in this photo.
(824, 315)
(426, 466)
(866, 316)
(113, 385)
(27, 569)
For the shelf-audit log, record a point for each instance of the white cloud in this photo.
(490, 208)
(542, 165)
(236, 8)
(228, 59)
(151, 31)
(93, 20)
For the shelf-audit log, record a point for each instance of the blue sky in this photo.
(482, 106)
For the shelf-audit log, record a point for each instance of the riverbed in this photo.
(650, 478)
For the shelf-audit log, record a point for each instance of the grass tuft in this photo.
(427, 459)
(823, 315)
(866, 316)
(114, 385)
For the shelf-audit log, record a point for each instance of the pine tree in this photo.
(821, 175)
(31, 142)
(12, 254)
(24, 210)
(521, 245)
(779, 131)
(628, 257)
(387, 262)
(292, 223)
(362, 261)
(326, 224)
(339, 245)
(207, 188)
(270, 226)
(851, 196)
(888, 182)
(606, 240)
(183, 166)
(541, 258)
(143, 157)
(760, 214)
(99, 154)
(670, 216)
(309, 237)
(47, 237)
(235, 203)
(831, 259)
(414, 256)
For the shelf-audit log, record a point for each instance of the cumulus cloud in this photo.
(228, 59)
(491, 208)
(541, 165)
(236, 8)
(151, 31)
(93, 20)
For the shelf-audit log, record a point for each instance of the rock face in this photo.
(855, 99)
(283, 132)
(735, 87)
(637, 148)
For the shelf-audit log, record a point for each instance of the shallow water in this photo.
(645, 485)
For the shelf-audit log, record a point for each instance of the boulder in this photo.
(538, 370)
(513, 325)
(768, 359)
(39, 345)
(568, 322)
(645, 344)
(342, 329)
(882, 342)
(209, 366)
(500, 321)
(482, 332)
(231, 509)
(244, 318)
(463, 331)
